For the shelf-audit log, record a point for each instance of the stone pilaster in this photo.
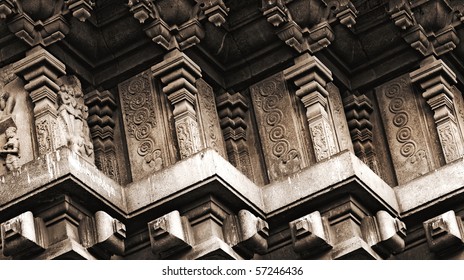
(101, 123)
(232, 109)
(311, 78)
(41, 70)
(435, 78)
(178, 74)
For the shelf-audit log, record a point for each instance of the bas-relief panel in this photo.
(404, 128)
(339, 119)
(144, 126)
(278, 128)
(15, 106)
(209, 118)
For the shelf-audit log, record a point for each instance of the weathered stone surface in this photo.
(405, 130)
(279, 131)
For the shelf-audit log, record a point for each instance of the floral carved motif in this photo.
(277, 127)
(140, 117)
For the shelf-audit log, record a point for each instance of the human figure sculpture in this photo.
(11, 151)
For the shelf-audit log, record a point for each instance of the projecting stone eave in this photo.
(429, 194)
(55, 175)
(321, 184)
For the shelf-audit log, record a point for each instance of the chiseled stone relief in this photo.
(144, 131)
(277, 127)
(404, 127)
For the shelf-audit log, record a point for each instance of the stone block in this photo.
(310, 234)
(23, 236)
(170, 234)
(246, 233)
(444, 233)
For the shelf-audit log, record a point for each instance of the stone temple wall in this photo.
(230, 129)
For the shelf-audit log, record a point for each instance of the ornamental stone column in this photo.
(178, 74)
(41, 71)
(435, 78)
(311, 78)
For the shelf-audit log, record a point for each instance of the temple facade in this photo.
(231, 129)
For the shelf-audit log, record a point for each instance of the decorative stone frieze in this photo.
(101, 123)
(384, 233)
(40, 22)
(23, 236)
(232, 108)
(311, 77)
(444, 233)
(246, 233)
(435, 79)
(306, 28)
(170, 234)
(178, 73)
(358, 109)
(422, 29)
(181, 28)
(102, 234)
(310, 234)
(279, 132)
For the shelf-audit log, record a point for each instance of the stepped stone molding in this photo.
(41, 23)
(435, 79)
(424, 31)
(310, 234)
(308, 29)
(181, 28)
(311, 77)
(101, 123)
(232, 109)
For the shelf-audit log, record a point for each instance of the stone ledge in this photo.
(203, 173)
(60, 172)
(350, 176)
(434, 187)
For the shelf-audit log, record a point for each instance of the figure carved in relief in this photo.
(11, 151)
(73, 114)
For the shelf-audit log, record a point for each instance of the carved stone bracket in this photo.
(309, 36)
(41, 70)
(436, 78)
(310, 234)
(41, 23)
(170, 234)
(246, 233)
(232, 108)
(384, 233)
(101, 106)
(311, 78)
(102, 235)
(23, 236)
(423, 30)
(178, 73)
(358, 109)
(444, 233)
(179, 28)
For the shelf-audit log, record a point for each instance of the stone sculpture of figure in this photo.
(73, 114)
(11, 150)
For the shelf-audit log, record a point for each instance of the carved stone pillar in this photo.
(101, 122)
(178, 74)
(41, 70)
(436, 78)
(232, 109)
(311, 78)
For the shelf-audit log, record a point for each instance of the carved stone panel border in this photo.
(403, 123)
(277, 127)
(144, 130)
